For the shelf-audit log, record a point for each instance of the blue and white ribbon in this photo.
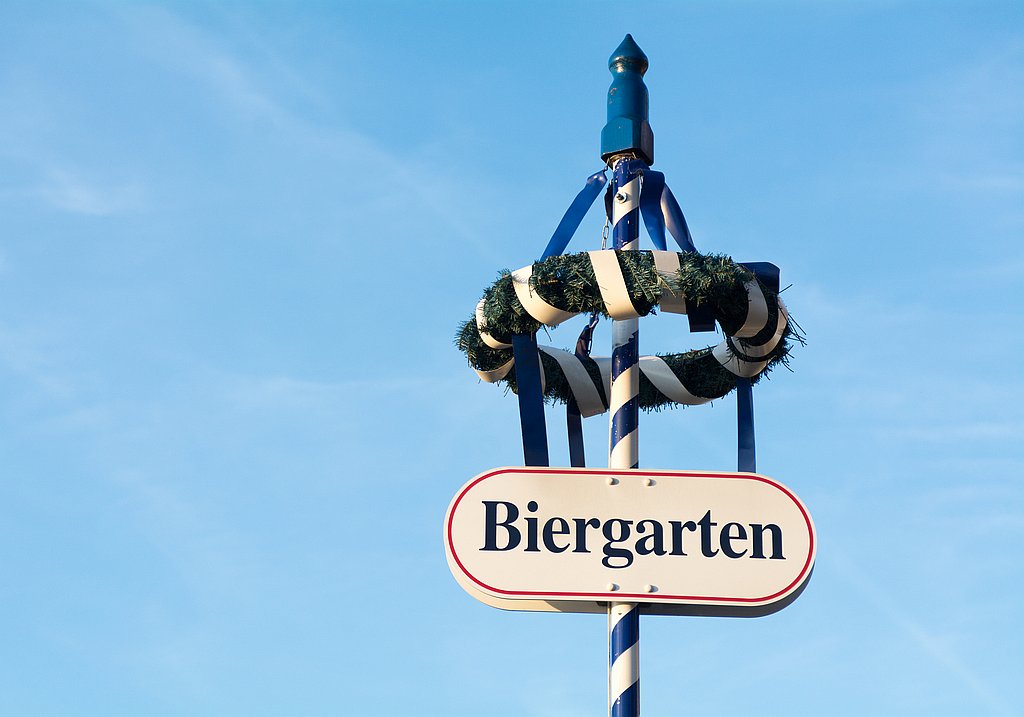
(744, 354)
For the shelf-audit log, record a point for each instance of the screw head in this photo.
(621, 197)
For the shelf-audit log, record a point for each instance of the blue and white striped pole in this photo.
(624, 409)
(627, 145)
(624, 663)
(623, 444)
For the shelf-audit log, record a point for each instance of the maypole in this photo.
(627, 145)
(622, 539)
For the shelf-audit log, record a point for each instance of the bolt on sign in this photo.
(676, 542)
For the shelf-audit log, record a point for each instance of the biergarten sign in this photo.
(680, 542)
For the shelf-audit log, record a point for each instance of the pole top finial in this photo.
(628, 55)
(628, 129)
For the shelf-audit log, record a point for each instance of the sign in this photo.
(678, 542)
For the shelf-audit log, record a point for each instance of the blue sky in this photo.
(235, 243)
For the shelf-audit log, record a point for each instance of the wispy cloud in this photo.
(959, 431)
(282, 391)
(32, 355)
(930, 645)
(71, 192)
(172, 42)
(205, 546)
(265, 89)
(965, 127)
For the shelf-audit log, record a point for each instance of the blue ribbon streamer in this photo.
(675, 221)
(531, 400)
(746, 452)
(650, 208)
(574, 214)
(527, 357)
(661, 211)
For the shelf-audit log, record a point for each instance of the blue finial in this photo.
(628, 129)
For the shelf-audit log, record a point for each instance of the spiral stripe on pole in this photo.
(624, 655)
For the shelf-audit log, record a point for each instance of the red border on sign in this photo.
(643, 597)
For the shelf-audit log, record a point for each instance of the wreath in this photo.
(623, 285)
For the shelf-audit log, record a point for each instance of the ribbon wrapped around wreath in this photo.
(623, 285)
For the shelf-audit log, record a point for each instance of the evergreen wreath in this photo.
(568, 283)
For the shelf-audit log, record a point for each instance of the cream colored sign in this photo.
(680, 542)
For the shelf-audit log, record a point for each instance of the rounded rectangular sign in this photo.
(679, 542)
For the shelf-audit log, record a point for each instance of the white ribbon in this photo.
(612, 285)
(664, 379)
(666, 263)
(748, 369)
(481, 324)
(501, 372)
(588, 400)
(497, 374)
(757, 311)
(531, 301)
